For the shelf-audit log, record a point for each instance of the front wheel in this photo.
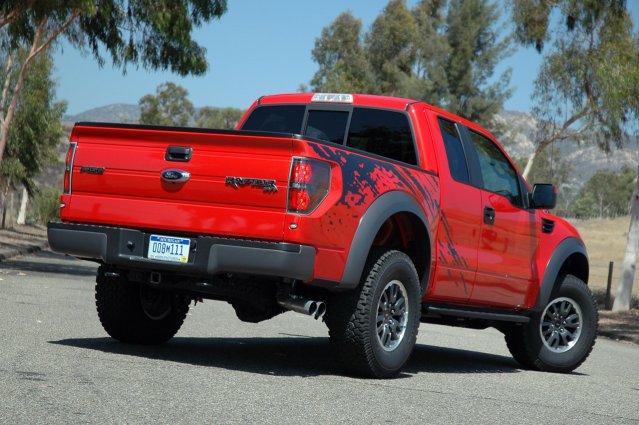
(561, 337)
(374, 328)
(136, 313)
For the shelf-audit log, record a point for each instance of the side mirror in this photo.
(543, 197)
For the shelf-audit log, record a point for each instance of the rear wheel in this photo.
(136, 313)
(374, 328)
(561, 337)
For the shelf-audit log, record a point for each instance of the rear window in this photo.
(384, 133)
(277, 118)
(380, 132)
(327, 125)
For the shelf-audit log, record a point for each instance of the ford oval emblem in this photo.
(175, 176)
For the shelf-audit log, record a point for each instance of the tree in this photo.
(587, 84)
(390, 48)
(343, 67)
(629, 265)
(443, 52)
(605, 194)
(154, 34)
(550, 167)
(431, 51)
(224, 118)
(36, 129)
(170, 106)
(475, 51)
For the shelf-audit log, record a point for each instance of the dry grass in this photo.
(606, 241)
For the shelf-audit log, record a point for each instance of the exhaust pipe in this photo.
(317, 309)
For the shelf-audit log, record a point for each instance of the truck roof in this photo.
(357, 99)
(387, 102)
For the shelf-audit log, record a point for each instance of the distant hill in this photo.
(584, 158)
(117, 113)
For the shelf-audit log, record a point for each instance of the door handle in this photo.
(489, 215)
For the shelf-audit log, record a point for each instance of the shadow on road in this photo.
(288, 356)
(50, 262)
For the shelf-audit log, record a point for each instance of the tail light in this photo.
(308, 185)
(68, 168)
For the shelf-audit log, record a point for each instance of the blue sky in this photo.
(256, 48)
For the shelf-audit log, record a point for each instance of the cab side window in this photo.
(497, 174)
(454, 151)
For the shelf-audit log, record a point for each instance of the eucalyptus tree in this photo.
(170, 106)
(154, 34)
(587, 87)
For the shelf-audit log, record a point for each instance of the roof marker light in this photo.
(332, 98)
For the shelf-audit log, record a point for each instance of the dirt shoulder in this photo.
(621, 326)
(22, 240)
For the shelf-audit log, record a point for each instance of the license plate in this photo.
(169, 248)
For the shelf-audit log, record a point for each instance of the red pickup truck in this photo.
(372, 213)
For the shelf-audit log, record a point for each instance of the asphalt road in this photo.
(58, 366)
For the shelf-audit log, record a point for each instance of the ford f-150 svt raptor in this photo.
(373, 213)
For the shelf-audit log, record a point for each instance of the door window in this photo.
(497, 174)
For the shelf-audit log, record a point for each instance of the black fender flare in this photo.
(562, 252)
(380, 210)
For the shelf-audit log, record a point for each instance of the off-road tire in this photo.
(560, 337)
(135, 313)
(353, 318)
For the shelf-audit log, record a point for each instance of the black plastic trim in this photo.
(563, 251)
(209, 255)
(188, 129)
(178, 153)
(478, 314)
(384, 207)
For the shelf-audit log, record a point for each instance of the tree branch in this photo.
(15, 12)
(54, 35)
(4, 20)
(36, 48)
(560, 134)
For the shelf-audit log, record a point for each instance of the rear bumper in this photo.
(208, 255)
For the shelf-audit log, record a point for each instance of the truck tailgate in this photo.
(236, 185)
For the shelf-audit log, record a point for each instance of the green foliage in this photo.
(343, 66)
(46, 206)
(224, 118)
(588, 82)
(475, 51)
(606, 194)
(443, 52)
(390, 49)
(170, 106)
(36, 129)
(153, 33)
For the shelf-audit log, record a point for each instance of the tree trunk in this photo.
(4, 204)
(629, 266)
(37, 46)
(22, 215)
(529, 164)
